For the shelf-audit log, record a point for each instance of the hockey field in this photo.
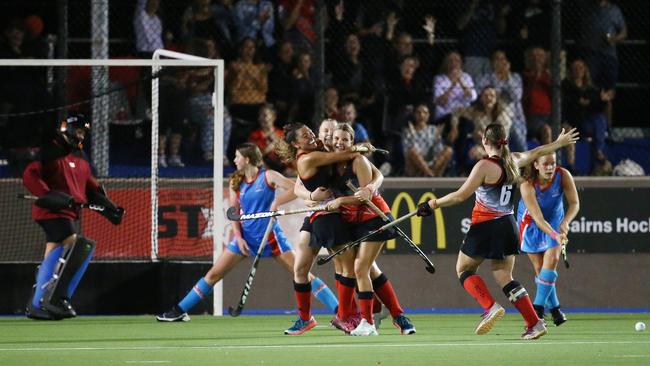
(586, 339)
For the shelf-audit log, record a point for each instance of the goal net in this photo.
(156, 145)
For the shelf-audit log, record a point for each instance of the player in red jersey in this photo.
(493, 233)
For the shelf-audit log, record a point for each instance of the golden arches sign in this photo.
(416, 221)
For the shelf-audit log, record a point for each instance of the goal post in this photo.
(139, 237)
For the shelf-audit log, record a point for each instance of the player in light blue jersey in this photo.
(543, 226)
(252, 189)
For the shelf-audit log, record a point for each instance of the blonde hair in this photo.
(345, 127)
(253, 153)
(495, 134)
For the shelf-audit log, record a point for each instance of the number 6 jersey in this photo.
(493, 200)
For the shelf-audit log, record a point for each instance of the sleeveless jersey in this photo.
(256, 196)
(493, 200)
(322, 178)
(356, 213)
(550, 200)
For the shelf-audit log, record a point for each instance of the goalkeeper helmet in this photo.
(73, 130)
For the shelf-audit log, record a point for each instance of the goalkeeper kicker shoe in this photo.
(404, 324)
(59, 308)
(558, 316)
(534, 332)
(364, 329)
(174, 315)
(38, 313)
(301, 326)
(495, 313)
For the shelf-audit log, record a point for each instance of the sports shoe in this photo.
(175, 161)
(534, 332)
(495, 313)
(364, 329)
(539, 310)
(378, 317)
(354, 320)
(341, 325)
(301, 326)
(38, 313)
(404, 324)
(59, 308)
(162, 161)
(558, 316)
(174, 315)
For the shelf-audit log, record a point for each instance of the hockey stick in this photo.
(354, 243)
(233, 215)
(430, 267)
(564, 258)
(251, 275)
(90, 206)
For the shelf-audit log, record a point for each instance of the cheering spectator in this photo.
(255, 18)
(584, 106)
(510, 88)
(304, 90)
(424, 151)
(280, 77)
(531, 28)
(480, 25)
(214, 21)
(537, 95)
(297, 17)
(403, 94)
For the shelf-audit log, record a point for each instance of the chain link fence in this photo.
(419, 78)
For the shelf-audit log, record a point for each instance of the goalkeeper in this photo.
(62, 179)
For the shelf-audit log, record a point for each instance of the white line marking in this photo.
(148, 362)
(342, 345)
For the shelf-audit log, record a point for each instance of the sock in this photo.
(324, 294)
(385, 292)
(545, 284)
(376, 305)
(45, 271)
(303, 299)
(552, 301)
(365, 303)
(475, 286)
(199, 292)
(346, 298)
(518, 296)
(74, 281)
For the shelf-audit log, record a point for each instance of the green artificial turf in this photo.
(586, 339)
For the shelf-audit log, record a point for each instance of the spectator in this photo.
(255, 18)
(202, 19)
(510, 88)
(331, 103)
(267, 136)
(280, 77)
(531, 28)
(404, 94)
(173, 116)
(424, 151)
(201, 87)
(348, 70)
(488, 109)
(601, 30)
(247, 84)
(304, 90)
(480, 24)
(297, 18)
(349, 115)
(148, 28)
(23, 89)
(537, 95)
(452, 89)
(584, 106)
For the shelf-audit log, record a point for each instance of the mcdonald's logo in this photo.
(416, 221)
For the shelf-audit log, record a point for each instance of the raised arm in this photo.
(571, 195)
(530, 199)
(564, 139)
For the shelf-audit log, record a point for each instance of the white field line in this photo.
(148, 362)
(296, 346)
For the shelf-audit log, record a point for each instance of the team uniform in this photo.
(550, 200)
(257, 196)
(322, 222)
(493, 232)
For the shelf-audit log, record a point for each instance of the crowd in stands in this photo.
(393, 84)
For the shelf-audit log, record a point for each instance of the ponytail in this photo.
(495, 134)
(285, 149)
